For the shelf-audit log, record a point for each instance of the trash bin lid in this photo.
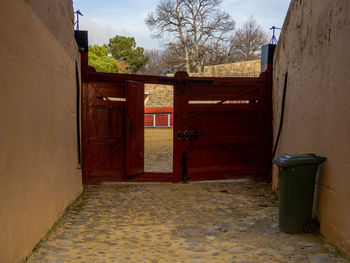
(289, 160)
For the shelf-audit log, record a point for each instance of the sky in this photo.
(106, 18)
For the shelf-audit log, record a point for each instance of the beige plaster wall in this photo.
(38, 147)
(314, 49)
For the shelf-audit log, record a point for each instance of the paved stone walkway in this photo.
(196, 222)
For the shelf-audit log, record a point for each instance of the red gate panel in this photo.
(134, 132)
(163, 120)
(221, 128)
(103, 131)
(150, 120)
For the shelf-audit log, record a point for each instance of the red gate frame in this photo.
(90, 77)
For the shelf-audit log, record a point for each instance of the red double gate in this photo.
(222, 127)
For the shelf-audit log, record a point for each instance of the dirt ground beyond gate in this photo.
(158, 149)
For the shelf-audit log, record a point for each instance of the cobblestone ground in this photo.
(198, 222)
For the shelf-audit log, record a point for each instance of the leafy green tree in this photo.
(99, 59)
(99, 50)
(124, 50)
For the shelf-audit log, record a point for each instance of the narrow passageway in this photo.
(233, 221)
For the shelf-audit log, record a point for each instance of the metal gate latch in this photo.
(189, 134)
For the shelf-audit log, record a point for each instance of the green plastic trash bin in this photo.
(296, 185)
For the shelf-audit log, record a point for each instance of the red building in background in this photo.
(158, 117)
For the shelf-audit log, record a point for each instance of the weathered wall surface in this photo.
(38, 156)
(314, 49)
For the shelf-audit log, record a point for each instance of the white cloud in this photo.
(100, 33)
(109, 18)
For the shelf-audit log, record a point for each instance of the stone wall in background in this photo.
(159, 95)
(238, 69)
(162, 95)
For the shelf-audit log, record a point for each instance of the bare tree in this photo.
(162, 62)
(155, 64)
(190, 25)
(217, 53)
(247, 41)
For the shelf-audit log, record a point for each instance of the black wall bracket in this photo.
(82, 40)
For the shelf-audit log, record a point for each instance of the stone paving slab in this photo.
(197, 222)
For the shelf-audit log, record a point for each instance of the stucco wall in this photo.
(38, 145)
(314, 49)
